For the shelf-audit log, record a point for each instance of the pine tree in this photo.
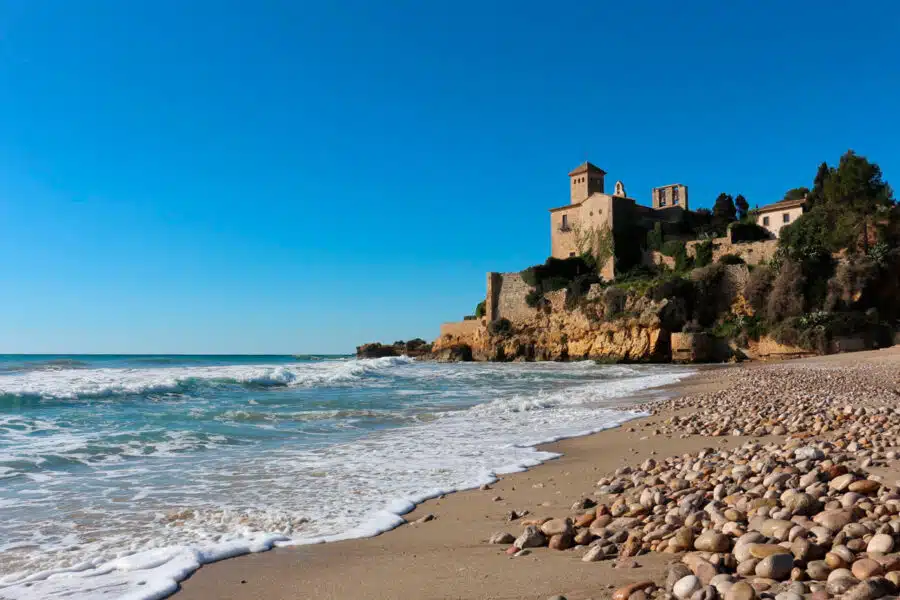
(743, 207)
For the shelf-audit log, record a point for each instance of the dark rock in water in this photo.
(455, 353)
(413, 348)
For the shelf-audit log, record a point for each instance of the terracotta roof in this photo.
(585, 167)
(783, 205)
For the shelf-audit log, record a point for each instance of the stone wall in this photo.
(753, 253)
(506, 298)
(460, 329)
(657, 258)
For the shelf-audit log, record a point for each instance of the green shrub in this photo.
(480, 308)
(786, 299)
(758, 288)
(534, 297)
(708, 299)
(683, 262)
(501, 327)
(703, 253)
(672, 247)
(655, 237)
(748, 232)
(730, 259)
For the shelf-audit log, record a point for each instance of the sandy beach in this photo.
(450, 557)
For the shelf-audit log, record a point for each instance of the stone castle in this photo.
(593, 215)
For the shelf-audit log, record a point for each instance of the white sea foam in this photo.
(103, 383)
(149, 528)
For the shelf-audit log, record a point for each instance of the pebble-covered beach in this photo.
(764, 481)
(805, 514)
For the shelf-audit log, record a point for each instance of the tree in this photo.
(856, 186)
(724, 212)
(797, 193)
(743, 207)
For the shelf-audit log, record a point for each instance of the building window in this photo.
(571, 254)
(786, 218)
(766, 221)
(675, 195)
(565, 223)
(661, 197)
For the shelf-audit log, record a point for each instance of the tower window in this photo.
(675, 195)
(786, 218)
(661, 197)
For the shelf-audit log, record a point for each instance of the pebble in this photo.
(685, 587)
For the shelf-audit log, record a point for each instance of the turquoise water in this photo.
(119, 475)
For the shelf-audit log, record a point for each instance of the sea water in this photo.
(121, 475)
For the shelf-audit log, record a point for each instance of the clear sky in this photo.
(267, 177)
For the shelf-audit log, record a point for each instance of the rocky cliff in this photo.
(606, 324)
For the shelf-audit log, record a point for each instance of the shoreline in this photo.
(449, 556)
(570, 448)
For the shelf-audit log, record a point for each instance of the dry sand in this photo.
(448, 557)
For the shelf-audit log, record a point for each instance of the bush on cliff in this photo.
(501, 327)
(703, 253)
(480, 308)
(576, 274)
(748, 232)
(730, 259)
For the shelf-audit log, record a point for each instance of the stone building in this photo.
(775, 216)
(594, 217)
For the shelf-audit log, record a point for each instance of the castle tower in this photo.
(585, 180)
(668, 196)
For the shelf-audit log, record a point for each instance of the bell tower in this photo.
(584, 180)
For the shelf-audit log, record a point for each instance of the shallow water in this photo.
(119, 475)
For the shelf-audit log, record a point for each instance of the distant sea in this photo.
(120, 475)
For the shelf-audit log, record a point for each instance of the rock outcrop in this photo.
(607, 324)
(414, 348)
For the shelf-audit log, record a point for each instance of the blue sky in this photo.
(234, 176)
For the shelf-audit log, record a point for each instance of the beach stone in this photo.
(766, 550)
(584, 537)
(710, 541)
(557, 527)
(682, 540)
(676, 572)
(775, 566)
(864, 486)
(425, 519)
(776, 528)
(561, 541)
(808, 453)
(594, 553)
(868, 590)
(788, 596)
(747, 567)
(841, 482)
(893, 577)
(840, 574)
(685, 587)
(839, 585)
(624, 592)
(741, 591)
(502, 537)
(880, 543)
(532, 537)
(833, 520)
(865, 568)
(705, 593)
(585, 520)
(818, 570)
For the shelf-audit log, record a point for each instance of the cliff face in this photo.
(604, 325)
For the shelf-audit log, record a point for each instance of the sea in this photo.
(121, 475)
